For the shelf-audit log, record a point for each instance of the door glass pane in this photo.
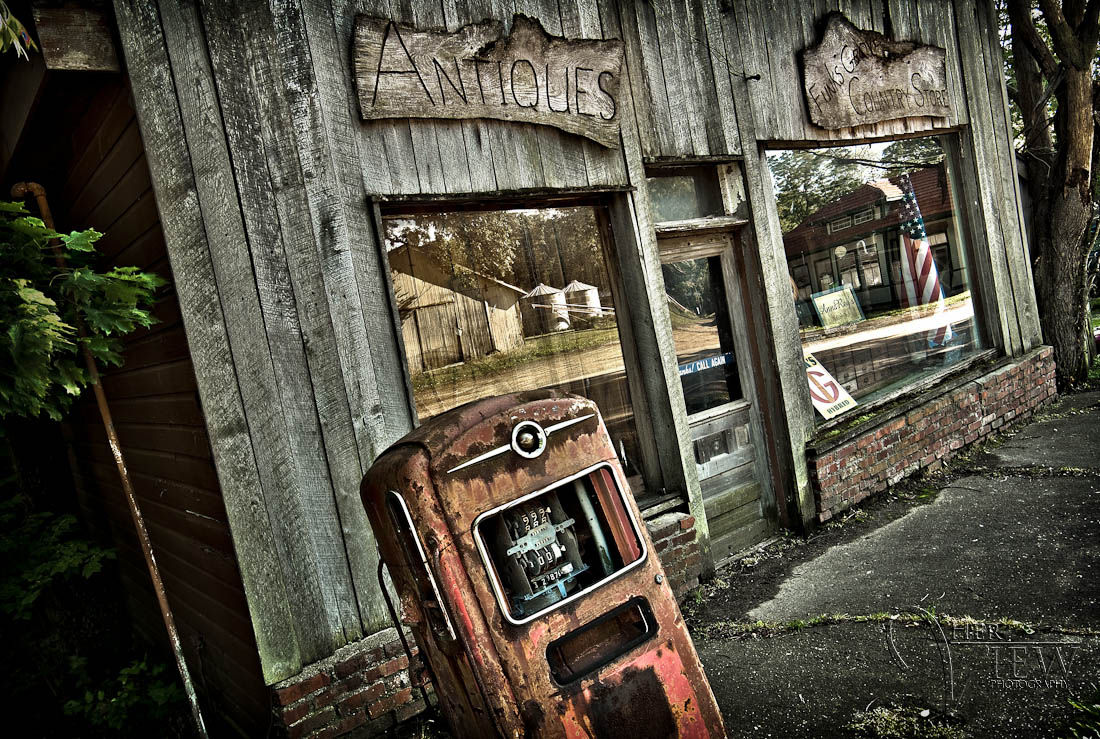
(497, 302)
(701, 332)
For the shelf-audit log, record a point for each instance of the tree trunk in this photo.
(1061, 178)
(1060, 285)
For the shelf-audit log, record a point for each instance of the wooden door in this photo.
(709, 330)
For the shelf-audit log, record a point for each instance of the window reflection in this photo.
(876, 261)
(701, 332)
(683, 193)
(496, 302)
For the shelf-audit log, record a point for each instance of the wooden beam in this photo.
(785, 400)
(185, 231)
(77, 39)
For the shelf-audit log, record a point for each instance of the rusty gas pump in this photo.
(525, 573)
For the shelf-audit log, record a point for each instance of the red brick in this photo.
(297, 712)
(358, 662)
(685, 538)
(389, 703)
(334, 691)
(687, 522)
(291, 693)
(386, 669)
(355, 701)
(312, 723)
(345, 725)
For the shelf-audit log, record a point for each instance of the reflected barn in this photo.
(496, 302)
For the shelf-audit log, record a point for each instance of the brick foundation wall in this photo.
(673, 536)
(363, 690)
(889, 447)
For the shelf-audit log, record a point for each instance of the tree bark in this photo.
(1060, 172)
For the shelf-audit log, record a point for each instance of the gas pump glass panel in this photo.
(494, 302)
(701, 332)
(556, 544)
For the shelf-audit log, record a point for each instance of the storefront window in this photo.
(496, 302)
(877, 262)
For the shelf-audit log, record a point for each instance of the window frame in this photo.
(660, 457)
(977, 269)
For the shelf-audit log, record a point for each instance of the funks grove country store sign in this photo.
(856, 77)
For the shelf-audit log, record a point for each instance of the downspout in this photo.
(20, 191)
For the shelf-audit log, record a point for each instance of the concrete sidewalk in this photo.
(1014, 539)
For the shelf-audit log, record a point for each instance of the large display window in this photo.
(879, 266)
(499, 301)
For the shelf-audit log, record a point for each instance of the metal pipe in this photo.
(20, 191)
(598, 537)
(401, 635)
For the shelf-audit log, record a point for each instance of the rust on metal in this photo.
(583, 645)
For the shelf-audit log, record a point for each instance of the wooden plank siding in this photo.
(161, 427)
(270, 187)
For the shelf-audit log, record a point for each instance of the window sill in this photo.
(833, 433)
(698, 225)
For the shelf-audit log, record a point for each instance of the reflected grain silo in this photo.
(583, 298)
(544, 311)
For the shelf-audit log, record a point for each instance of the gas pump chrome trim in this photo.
(494, 580)
(540, 437)
(424, 561)
(508, 447)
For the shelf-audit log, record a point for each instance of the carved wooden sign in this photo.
(475, 72)
(855, 77)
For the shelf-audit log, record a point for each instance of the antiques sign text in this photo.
(475, 72)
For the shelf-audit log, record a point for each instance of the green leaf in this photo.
(41, 304)
(33, 227)
(82, 240)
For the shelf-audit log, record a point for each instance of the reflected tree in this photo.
(807, 180)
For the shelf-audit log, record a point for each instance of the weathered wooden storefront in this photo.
(376, 211)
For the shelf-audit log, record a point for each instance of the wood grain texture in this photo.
(649, 334)
(175, 181)
(78, 39)
(240, 279)
(269, 184)
(784, 400)
(981, 183)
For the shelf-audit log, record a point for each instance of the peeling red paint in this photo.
(496, 674)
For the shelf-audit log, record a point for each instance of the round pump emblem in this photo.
(528, 439)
